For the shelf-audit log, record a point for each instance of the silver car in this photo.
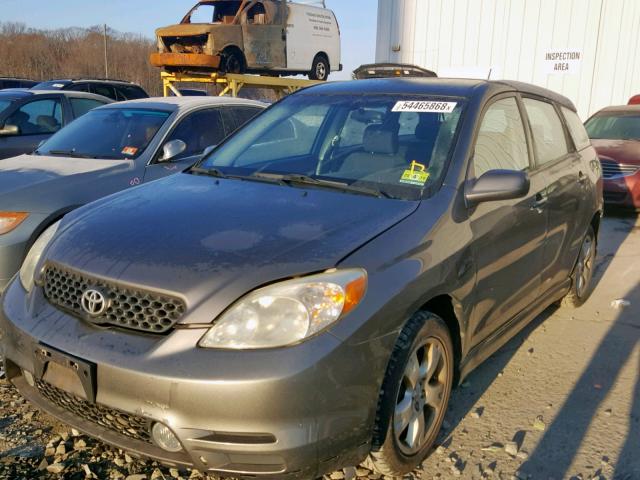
(111, 148)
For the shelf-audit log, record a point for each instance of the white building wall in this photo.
(509, 38)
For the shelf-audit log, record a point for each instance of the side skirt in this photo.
(495, 341)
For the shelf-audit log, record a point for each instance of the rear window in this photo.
(576, 128)
(131, 92)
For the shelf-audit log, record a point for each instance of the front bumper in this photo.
(192, 60)
(623, 192)
(297, 412)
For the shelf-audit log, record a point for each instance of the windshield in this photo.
(111, 133)
(614, 127)
(4, 104)
(217, 12)
(395, 145)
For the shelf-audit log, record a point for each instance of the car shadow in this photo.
(561, 442)
(556, 450)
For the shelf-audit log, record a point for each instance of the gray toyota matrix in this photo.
(306, 296)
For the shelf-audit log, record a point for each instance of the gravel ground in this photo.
(561, 400)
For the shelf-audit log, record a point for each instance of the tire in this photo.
(582, 278)
(233, 62)
(320, 69)
(392, 451)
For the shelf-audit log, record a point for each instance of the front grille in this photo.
(128, 425)
(127, 308)
(617, 170)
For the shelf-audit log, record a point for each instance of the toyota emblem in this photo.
(94, 303)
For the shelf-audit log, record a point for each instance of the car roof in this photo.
(620, 109)
(453, 87)
(68, 81)
(18, 93)
(171, 104)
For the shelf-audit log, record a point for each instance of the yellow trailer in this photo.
(232, 83)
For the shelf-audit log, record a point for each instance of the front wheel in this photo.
(319, 69)
(414, 396)
(582, 279)
(233, 62)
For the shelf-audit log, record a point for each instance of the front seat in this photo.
(379, 153)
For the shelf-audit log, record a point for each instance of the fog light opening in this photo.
(165, 438)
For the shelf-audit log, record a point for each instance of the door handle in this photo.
(539, 202)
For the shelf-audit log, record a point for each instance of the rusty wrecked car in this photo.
(273, 37)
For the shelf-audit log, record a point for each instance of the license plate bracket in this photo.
(64, 371)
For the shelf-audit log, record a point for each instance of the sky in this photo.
(357, 20)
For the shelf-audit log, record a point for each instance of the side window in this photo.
(199, 130)
(79, 87)
(104, 90)
(80, 106)
(576, 128)
(38, 117)
(243, 114)
(501, 143)
(548, 133)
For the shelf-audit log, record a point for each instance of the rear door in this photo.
(556, 157)
(509, 235)
(37, 119)
(263, 32)
(198, 130)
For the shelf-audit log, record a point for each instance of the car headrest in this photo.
(428, 127)
(378, 139)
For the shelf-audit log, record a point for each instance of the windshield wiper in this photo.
(212, 172)
(69, 153)
(301, 179)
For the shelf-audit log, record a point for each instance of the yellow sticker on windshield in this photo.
(417, 175)
(129, 151)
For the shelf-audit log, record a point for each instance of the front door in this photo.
(263, 31)
(36, 120)
(509, 236)
(198, 130)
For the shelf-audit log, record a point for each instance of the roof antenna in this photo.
(489, 76)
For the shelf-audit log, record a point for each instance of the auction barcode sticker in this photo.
(419, 106)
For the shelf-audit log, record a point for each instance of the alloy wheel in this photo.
(421, 396)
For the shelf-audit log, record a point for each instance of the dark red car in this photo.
(635, 100)
(615, 133)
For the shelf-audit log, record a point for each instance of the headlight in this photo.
(288, 312)
(10, 220)
(28, 270)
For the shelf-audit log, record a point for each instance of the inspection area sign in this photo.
(559, 62)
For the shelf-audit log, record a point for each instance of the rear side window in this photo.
(80, 106)
(576, 128)
(130, 92)
(78, 87)
(104, 90)
(548, 132)
(243, 114)
(501, 143)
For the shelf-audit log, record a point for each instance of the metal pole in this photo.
(106, 59)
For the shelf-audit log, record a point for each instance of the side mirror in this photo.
(10, 131)
(497, 185)
(208, 150)
(172, 149)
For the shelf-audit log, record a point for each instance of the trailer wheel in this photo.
(320, 68)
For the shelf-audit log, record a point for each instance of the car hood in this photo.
(622, 151)
(29, 173)
(211, 241)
